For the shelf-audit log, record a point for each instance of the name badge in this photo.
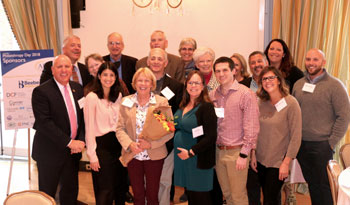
(308, 87)
(167, 93)
(81, 102)
(281, 104)
(220, 112)
(198, 131)
(128, 103)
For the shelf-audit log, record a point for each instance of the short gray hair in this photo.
(199, 52)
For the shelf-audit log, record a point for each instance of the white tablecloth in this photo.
(344, 187)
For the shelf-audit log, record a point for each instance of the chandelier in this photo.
(157, 4)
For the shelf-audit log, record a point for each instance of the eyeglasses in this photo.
(186, 49)
(270, 78)
(194, 83)
(112, 43)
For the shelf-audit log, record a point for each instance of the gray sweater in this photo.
(326, 111)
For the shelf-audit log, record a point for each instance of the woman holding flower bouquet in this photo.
(194, 141)
(101, 110)
(142, 154)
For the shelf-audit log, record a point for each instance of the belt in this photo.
(222, 147)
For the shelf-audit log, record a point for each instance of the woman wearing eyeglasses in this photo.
(194, 141)
(280, 133)
(186, 49)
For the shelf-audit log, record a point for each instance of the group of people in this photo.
(235, 135)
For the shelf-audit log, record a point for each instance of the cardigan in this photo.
(206, 144)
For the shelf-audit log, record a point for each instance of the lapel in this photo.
(59, 102)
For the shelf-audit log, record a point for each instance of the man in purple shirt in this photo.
(238, 127)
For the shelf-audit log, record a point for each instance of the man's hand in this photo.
(241, 163)
(76, 146)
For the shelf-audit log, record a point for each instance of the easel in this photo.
(12, 158)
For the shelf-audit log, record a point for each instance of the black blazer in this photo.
(177, 88)
(47, 73)
(246, 81)
(206, 144)
(128, 69)
(52, 122)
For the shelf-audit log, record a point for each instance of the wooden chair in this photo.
(29, 197)
(333, 171)
(344, 154)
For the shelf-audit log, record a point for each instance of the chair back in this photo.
(345, 155)
(29, 197)
(333, 171)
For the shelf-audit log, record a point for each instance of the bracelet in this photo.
(243, 155)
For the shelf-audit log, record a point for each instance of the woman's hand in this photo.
(135, 147)
(144, 144)
(95, 166)
(284, 168)
(253, 163)
(183, 153)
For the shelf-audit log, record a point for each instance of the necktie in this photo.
(75, 75)
(71, 113)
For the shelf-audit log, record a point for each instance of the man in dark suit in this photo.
(72, 49)
(172, 90)
(175, 68)
(125, 64)
(60, 133)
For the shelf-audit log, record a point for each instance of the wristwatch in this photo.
(190, 154)
(243, 155)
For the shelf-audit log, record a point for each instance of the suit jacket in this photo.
(52, 122)
(128, 69)
(246, 81)
(126, 132)
(47, 73)
(175, 67)
(177, 89)
(174, 102)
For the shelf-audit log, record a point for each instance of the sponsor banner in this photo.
(21, 72)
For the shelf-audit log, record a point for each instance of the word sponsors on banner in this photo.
(21, 72)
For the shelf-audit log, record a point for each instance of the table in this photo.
(344, 187)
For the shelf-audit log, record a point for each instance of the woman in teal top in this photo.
(194, 141)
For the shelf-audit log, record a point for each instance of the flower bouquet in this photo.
(159, 122)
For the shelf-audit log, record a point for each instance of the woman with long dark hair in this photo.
(101, 110)
(280, 133)
(195, 154)
(278, 55)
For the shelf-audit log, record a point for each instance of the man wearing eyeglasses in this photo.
(172, 90)
(175, 67)
(238, 126)
(325, 111)
(186, 49)
(125, 64)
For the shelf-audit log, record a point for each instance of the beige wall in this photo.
(227, 26)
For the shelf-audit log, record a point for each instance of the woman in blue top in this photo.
(194, 141)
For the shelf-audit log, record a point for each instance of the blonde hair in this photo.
(148, 74)
(243, 62)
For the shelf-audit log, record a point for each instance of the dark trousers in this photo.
(66, 175)
(313, 158)
(199, 198)
(270, 184)
(138, 172)
(216, 193)
(253, 187)
(110, 181)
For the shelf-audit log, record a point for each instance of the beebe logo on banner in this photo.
(21, 72)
